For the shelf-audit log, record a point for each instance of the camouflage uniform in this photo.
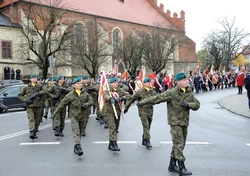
(88, 109)
(77, 113)
(47, 101)
(178, 116)
(145, 112)
(34, 109)
(59, 92)
(113, 123)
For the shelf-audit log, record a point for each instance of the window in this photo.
(115, 42)
(12, 91)
(6, 49)
(79, 35)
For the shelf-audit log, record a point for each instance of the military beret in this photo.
(59, 77)
(179, 76)
(33, 76)
(75, 80)
(113, 79)
(146, 80)
(85, 77)
(38, 78)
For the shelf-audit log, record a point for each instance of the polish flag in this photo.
(103, 87)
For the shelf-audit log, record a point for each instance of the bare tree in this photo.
(45, 34)
(131, 51)
(91, 48)
(224, 45)
(157, 48)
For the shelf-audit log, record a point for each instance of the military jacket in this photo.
(75, 102)
(139, 95)
(177, 115)
(30, 90)
(109, 109)
(57, 91)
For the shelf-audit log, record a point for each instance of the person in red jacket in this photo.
(240, 82)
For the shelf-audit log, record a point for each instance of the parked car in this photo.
(9, 97)
(9, 82)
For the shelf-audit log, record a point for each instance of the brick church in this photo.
(117, 18)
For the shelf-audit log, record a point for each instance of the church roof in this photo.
(137, 11)
(5, 21)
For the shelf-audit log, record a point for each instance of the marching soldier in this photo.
(78, 101)
(145, 112)
(59, 90)
(113, 105)
(31, 95)
(86, 85)
(47, 99)
(179, 102)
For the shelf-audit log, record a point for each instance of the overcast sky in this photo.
(202, 16)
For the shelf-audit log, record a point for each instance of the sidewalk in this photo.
(237, 104)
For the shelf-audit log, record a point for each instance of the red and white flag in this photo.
(155, 79)
(115, 69)
(140, 75)
(103, 87)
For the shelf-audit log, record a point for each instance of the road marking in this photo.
(40, 143)
(248, 144)
(192, 143)
(119, 142)
(26, 131)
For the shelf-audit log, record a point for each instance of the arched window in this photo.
(79, 34)
(115, 42)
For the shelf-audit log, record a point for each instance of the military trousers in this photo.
(113, 126)
(59, 119)
(77, 128)
(47, 105)
(179, 137)
(146, 124)
(34, 115)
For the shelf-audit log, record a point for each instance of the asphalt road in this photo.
(218, 145)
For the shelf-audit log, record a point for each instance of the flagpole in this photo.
(113, 106)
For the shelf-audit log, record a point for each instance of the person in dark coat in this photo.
(247, 87)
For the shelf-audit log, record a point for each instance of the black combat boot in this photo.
(61, 133)
(97, 118)
(45, 116)
(143, 141)
(79, 150)
(173, 166)
(148, 144)
(75, 149)
(32, 135)
(101, 120)
(116, 146)
(182, 168)
(83, 132)
(57, 133)
(111, 145)
(105, 124)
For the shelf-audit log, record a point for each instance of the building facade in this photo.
(115, 18)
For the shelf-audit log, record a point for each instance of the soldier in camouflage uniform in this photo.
(78, 101)
(85, 87)
(179, 102)
(47, 99)
(145, 112)
(59, 90)
(31, 96)
(114, 97)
